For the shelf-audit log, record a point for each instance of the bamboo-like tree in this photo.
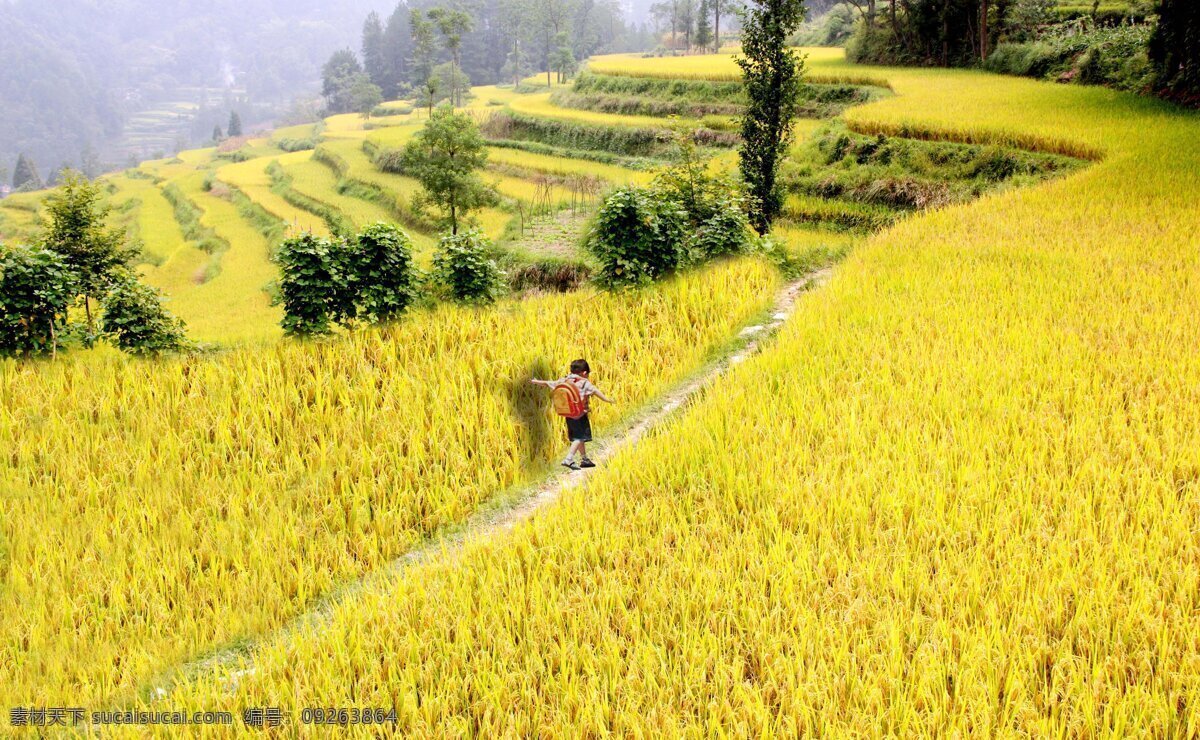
(771, 73)
(452, 24)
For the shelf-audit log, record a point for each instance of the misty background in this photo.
(99, 84)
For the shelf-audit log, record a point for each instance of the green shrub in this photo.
(36, 289)
(637, 236)
(314, 285)
(726, 231)
(135, 320)
(1081, 51)
(383, 271)
(296, 145)
(463, 271)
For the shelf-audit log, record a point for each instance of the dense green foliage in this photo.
(382, 265)
(637, 237)
(135, 320)
(313, 285)
(36, 289)
(464, 271)
(76, 230)
(1081, 51)
(771, 73)
(343, 280)
(933, 32)
(832, 28)
(78, 257)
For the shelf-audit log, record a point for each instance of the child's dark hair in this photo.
(579, 367)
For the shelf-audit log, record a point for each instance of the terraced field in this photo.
(968, 508)
(955, 494)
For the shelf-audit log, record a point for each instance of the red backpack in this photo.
(567, 400)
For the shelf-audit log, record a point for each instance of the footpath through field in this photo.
(506, 512)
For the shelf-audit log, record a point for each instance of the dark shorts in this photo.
(579, 430)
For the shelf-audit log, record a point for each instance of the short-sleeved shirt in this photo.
(586, 389)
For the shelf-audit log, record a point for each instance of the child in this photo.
(579, 431)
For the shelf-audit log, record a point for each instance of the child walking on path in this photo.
(579, 430)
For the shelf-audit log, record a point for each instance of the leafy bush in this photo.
(314, 285)
(135, 320)
(383, 271)
(833, 28)
(296, 145)
(637, 236)
(726, 231)
(36, 288)
(1081, 51)
(463, 270)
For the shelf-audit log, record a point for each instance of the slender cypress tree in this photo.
(373, 56)
(771, 72)
(26, 174)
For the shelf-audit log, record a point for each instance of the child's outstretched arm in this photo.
(600, 394)
(547, 383)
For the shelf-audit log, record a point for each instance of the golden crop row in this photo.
(155, 510)
(823, 65)
(958, 497)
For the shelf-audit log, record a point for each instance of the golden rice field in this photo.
(563, 167)
(160, 510)
(252, 179)
(314, 179)
(539, 105)
(226, 303)
(825, 64)
(958, 496)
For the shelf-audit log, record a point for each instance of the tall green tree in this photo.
(374, 58)
(365, 96)
(76, 230)
(771, 73)
(234, 129)
(397, 46)
(720, 8)
(1175, 49)
(337, 78)
(703, 28)
(25, 175)
(452, 24)
(445, 157)
(424, 54)
(563, 60)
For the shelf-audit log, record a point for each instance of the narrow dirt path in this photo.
(496, 521)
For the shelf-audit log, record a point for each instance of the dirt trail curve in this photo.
(497, 520)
